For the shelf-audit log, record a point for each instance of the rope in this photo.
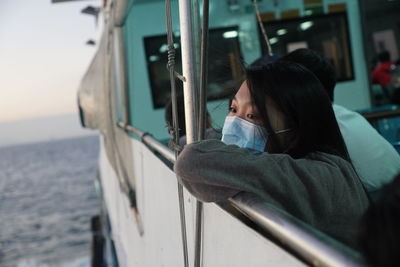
(175, 140)
(258, 14)
(171, 62)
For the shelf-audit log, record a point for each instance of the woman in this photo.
(281, 142)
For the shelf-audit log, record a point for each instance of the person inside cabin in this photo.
(375, 159)
(210, 133)
(280, 142)
(379, 230)
(381, 73)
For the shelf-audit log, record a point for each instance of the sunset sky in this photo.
(43, 56)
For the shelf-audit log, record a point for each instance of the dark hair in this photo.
(301, 98)
(317, 64)
(380, 227)
(266, 59)
(384, 56)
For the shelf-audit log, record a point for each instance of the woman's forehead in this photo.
(243, 95)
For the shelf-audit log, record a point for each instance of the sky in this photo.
(43, 56)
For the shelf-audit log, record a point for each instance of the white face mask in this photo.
(237, 131)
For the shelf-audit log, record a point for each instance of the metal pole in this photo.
(176, 126)
(315, 247)
(196, 39)
(202, 116)
(188, 69)
(188, 17)
(120, 71)
(203, 71)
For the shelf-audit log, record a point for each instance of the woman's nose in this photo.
(241, 115)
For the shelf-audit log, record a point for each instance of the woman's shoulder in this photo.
(333, 166)
(327, 157)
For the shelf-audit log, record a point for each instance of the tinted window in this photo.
(327, 34)
(223, 65)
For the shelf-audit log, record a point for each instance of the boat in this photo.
(148, 218)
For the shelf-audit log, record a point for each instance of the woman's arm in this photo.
(213, 171)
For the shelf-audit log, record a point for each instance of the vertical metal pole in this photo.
(120, 68)
(196, 34)
(188, 69)
(203, 71)
(189, 25)
(176, 127)
(202, 124)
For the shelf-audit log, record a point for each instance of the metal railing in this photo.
(150, 141)
(382, 112)
(314, 247)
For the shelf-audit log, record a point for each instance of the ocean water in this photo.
(47, 198)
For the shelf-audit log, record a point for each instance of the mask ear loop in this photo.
(283, 131)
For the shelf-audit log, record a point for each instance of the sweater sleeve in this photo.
(321, 189)
(213, 171)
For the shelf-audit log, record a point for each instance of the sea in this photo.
(47, 198)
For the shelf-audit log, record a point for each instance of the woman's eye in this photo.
(251, 116)
(232, 110)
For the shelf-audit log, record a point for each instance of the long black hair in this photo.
(318, 65)
(300, 96)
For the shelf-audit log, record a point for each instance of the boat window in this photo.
(381, 31)
(327, 34)
(223, 66)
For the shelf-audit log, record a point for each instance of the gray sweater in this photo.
(321, 189)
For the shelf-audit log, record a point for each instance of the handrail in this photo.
(384, 114)
(381, 112)
(316, 249)
(149, 141)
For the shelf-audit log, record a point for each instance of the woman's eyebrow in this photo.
(243, 104)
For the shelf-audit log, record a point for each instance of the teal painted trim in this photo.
(354, 94)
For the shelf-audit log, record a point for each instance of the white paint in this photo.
(227, 241)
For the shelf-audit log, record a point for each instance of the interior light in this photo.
(230, 34)
(281, 31)
(308, 12)
(164, 47)
(306, 25)
(273, 40)
(154, 58)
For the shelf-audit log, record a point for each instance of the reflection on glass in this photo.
(327, 34)
(223, 65)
